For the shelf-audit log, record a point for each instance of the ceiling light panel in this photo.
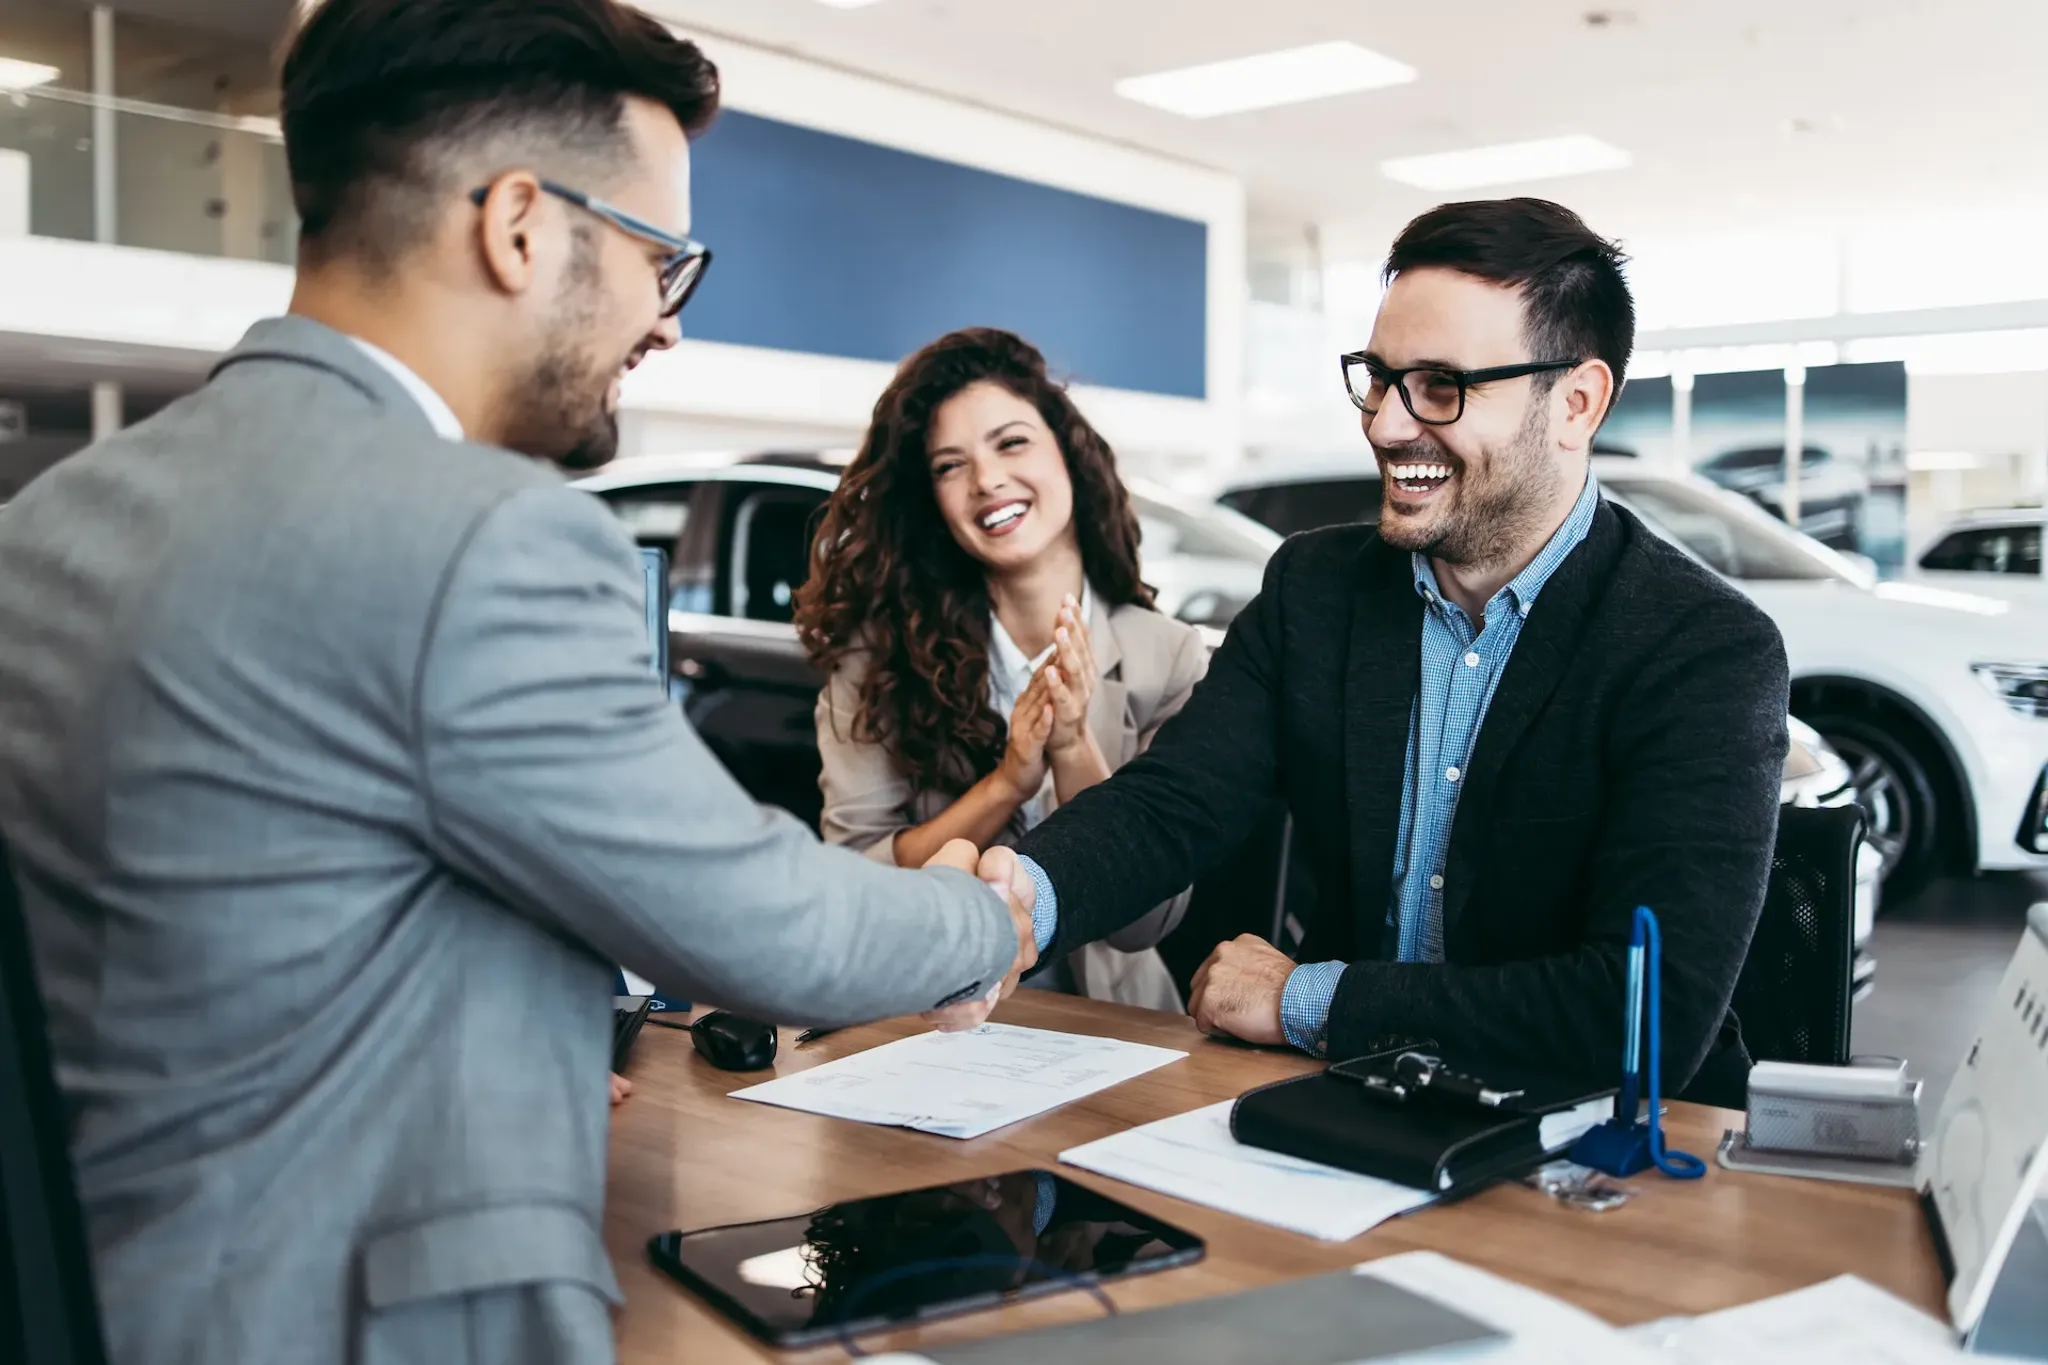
(19, 75)
(1508, 163)
(1292, 76)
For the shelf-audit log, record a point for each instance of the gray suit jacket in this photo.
(336, 785)
(1148, 664)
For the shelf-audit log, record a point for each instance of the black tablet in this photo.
(875, 1263)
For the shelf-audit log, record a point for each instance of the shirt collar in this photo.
(442, 417)
(1521, 590)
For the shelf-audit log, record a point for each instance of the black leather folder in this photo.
(1425, 1141)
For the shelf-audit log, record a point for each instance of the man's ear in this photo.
(508, 222)
(1585, 394)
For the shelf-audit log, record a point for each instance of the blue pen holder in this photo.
(1625, 1145)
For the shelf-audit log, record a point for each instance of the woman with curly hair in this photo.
(974, 597)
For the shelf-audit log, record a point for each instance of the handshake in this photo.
(1004, 875)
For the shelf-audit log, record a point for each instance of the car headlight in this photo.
(2023, 687)
(1815, 774)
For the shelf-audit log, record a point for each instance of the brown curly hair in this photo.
(888, 579)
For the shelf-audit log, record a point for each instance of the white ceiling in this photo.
(1742, 115)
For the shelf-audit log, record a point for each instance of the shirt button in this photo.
(1436, 883)
(1472, 661)
(1450, 774)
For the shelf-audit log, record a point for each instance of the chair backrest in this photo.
(49, 1314)
(1793, 997)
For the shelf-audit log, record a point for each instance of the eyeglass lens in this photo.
(1433, 396)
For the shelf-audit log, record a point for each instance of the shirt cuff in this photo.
(1305, 1005)
(1045, 910)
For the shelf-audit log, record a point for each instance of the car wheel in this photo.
(1895, 787)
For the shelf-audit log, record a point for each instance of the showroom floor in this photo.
(1939, 957)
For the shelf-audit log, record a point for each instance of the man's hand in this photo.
(621, 1087)
(1236, 993)
(1001, 870)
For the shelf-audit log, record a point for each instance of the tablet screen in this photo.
(867, 1263)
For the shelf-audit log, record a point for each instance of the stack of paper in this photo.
(962, 1085)
(1843, 1321)
(1192, 1156)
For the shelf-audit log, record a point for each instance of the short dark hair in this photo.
(381, 97)
(1575, 302)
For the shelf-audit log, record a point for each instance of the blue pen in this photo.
(1625, 1108)
(1624, 1144)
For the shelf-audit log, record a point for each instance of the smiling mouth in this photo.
(1419, 478)
(1001, 520)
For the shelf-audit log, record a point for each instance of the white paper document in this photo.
(1192, 1156)
(962, 1085)
(1843, 1321)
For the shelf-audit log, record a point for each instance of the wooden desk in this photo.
(683, 1155)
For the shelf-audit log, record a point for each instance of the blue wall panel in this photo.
(832, 245)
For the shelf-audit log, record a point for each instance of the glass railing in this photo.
(200, 183)
(46, 157)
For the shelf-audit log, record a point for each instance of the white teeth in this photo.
(1412, 472)
(1002, 516)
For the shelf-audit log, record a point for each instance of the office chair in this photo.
(49, 1314)
(1793, 997)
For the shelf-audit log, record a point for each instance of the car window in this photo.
(1728, 533)
(1988, 549)
(1204, 534)
(654, 514)
(771, 549)
(1291, 508)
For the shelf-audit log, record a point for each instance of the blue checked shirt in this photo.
(1461, 668)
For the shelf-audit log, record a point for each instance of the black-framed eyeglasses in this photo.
(1433, 396)
(680, 270)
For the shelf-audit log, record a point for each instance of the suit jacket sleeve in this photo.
(1162, 820)
(868, 799)
(1190, 661)
(1691, 816)
(561, 777)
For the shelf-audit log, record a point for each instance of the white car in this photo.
(1936, 698)
(1995, 552)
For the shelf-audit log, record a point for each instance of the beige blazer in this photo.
(1149, 663)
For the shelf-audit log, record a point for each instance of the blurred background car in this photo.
(1832, 492)
(1996, 552)
(1936, 699)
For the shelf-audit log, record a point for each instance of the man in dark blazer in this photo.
(1502, 718)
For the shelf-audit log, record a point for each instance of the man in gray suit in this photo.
(329, 761)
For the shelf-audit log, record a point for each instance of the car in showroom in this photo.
(1831, 491)
(1996, 552)
(1936, 698)
(738, 537)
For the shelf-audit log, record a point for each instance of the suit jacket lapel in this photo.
(1543, 652)
(1383, 669)
(1109, 708)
